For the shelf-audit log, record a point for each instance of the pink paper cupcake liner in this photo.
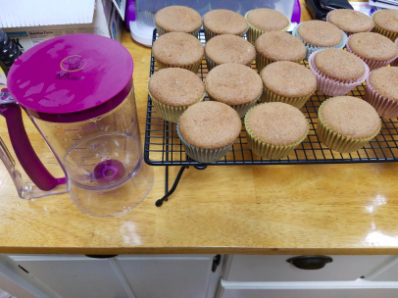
(332, 87)
(349, 33)
(373, 64)
(395, 62)
(385, 107)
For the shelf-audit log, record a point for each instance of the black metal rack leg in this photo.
(168, 192)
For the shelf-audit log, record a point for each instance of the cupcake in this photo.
(337, 71)
(274, 129)
(350, 21)
(173, 90)
(222, 21)
(228, 48)
(346, 123)
(386, 23)
(373, 48)
(287, 82)
(178, 19)
(178, 49)
(319, 35)
(278, 46)
(235, 85)
(382, 91)
(262, 20)
(208, 130)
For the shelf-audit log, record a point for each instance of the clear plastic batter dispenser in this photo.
(78, 91)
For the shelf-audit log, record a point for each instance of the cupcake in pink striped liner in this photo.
(374, 49)
(337, 71)
(382, 91)
(350, 21)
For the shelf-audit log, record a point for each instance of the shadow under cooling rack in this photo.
(163, 147)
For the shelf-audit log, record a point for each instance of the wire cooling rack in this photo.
(164, 148)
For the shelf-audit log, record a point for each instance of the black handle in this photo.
(310, 262)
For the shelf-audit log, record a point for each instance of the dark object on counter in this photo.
(335, 4)
(9, 51)
(318, 9)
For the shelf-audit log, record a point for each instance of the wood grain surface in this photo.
(276, 209)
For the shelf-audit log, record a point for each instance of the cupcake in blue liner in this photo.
(319, 35)
(208, 130)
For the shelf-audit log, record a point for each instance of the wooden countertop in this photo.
(303, 209)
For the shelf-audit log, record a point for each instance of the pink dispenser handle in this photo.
(24, 150)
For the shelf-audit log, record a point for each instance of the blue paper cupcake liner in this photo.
(311, 48)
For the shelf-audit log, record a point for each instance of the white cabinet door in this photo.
(75, 276)
(242, 268)
(167, 276)
(352, 289)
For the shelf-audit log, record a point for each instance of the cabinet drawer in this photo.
(276, 268)
(308, 290)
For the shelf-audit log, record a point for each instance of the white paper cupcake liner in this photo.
(385, 107)
(162, 31)
(203, 155)
(349, 33)
(373, 64)
(209, 34)
(211, 64)
(311, 48)
(243, 108)
(332, 87)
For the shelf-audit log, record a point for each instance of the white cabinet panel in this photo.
(360, 293)
(75, 276)
(167, 276)
(308, 290)
(244, 268)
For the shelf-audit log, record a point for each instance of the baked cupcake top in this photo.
(280, 46)
(277, 123)
(230, 48)
(372, 46)
(177, 48)
(387, 19)
(209, 125)
(385, 82)
(233, 84)
(339, 64)
(267, 19)
(176, 87)
(320, 33)
(350, 116)
(178, 19)
(222, 21)
(289, 79)
(350, 21)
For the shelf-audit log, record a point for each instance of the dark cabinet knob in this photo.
(310, 262)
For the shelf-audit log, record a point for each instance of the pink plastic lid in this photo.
(71, 74)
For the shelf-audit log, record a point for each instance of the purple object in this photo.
(65, 79)
(70, 74)
(296, 15)
(130, 13)
(109, 171)
(24, 150)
